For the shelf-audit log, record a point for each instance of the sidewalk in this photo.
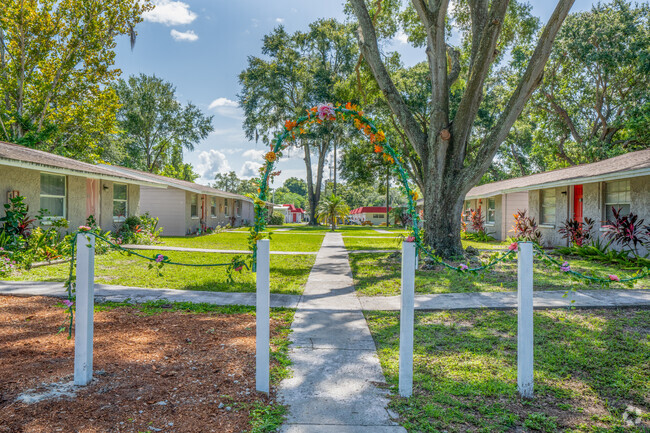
(335, 366)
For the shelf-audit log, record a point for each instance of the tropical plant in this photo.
(525, 228)
(330, 209)
(578, 233)
(16, 223)
(626, 231)
(141, 229)
(477, 220)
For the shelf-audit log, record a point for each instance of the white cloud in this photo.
(210, 163)
(402, 37)
(226, 107)
(250, 169)
(279, 20)
(170, 13)
(189, 35)
(255, 155)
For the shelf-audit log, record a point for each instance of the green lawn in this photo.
(387, 243)
(589, 365)
(239, 241)
(379, 275)
(288, 273)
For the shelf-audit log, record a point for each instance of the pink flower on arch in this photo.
(68, 303)
(326, 111)
(614, 277)
(513, 246)
(463, 267)
(565, 267)
(84, 228)
(160, 258)
(410, 239)
(239, 268)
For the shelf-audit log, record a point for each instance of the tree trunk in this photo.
(442, 211)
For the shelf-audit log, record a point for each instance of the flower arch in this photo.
(350, 114)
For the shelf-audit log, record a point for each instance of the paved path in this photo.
(507, 300)
(209, 250)
(335, 365)
(106, 292)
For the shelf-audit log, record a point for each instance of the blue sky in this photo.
(201, 46)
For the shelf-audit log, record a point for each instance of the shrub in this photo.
(366, 223)
(276, 219)
(16, 223)
(141, 230)
(578, 233)
(626, 231)
(477, 221)
(525, 228)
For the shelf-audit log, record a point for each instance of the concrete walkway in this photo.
(507, 300)
(335, 366)
(209, 250)
(107, 292)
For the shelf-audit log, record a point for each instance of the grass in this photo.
(379, 275)
(239, 241)
(288, 273)
(263, 418)
(356, 244)
(589, 365)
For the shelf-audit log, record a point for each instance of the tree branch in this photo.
(531, 79)
(564, 116)
(368, 46)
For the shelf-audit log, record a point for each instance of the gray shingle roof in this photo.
(16, 155)
(629, 165)
(176, 183)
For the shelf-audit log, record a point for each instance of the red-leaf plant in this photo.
(525, 228)
(578, 233)
(626, 231)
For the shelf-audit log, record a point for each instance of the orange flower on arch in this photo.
(378, 148)
(380, 136)
(290, 125)
(271, 156)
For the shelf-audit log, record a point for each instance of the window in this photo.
(547, 206)
(53, 190)
(378, 215)
(194, 206)
(491, 211)
(120, 202)
(238, 207)
(225, 207)
(617, 196)
(467, 210)
(213, 207)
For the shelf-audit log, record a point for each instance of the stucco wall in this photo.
(494, 229)
(550, 235)
(106, 204)
(26, 182)
(168, 205)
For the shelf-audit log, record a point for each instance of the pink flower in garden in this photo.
(463, 267)
(326, 111)
(239, 268)
(84, 228)
(613, 277)
(68, 303)
(565, 267)
(410, 239)
(513, 246)
(160, 258)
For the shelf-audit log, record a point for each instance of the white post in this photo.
(525, 320)
(406, 320)
(85, 303)
(262, 317)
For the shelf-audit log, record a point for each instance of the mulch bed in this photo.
(170, 372)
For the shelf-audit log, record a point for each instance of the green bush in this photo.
(277, 219)
(140, 230)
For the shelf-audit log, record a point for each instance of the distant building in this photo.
(293, 214)
(375, 214)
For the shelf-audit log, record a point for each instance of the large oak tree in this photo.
(453, 151)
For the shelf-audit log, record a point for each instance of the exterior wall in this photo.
(494, 229)
(28, 183)
(510, 205)
(192, 224)
(375, 221)
(550, 235)
(168, 204)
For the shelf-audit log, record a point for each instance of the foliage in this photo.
(477, 220)
(594, 102)
(296, 186)
(16, 223)
(155, 127)
(276, 219)
(525, 228)
(139, 230)
(230, 182)
(331, 209)
(56, 58)
(600, 251)
(578, 233)
(626, 231)
(480, 236)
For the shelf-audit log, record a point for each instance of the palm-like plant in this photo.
(330, 209)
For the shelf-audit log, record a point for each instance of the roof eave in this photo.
(72, 172)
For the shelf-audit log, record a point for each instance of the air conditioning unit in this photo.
(12, 194)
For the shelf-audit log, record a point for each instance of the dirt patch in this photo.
(170, 372)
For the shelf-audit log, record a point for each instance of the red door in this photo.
(577, 203)
(294, 217)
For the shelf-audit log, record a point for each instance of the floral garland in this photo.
(292, 129)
